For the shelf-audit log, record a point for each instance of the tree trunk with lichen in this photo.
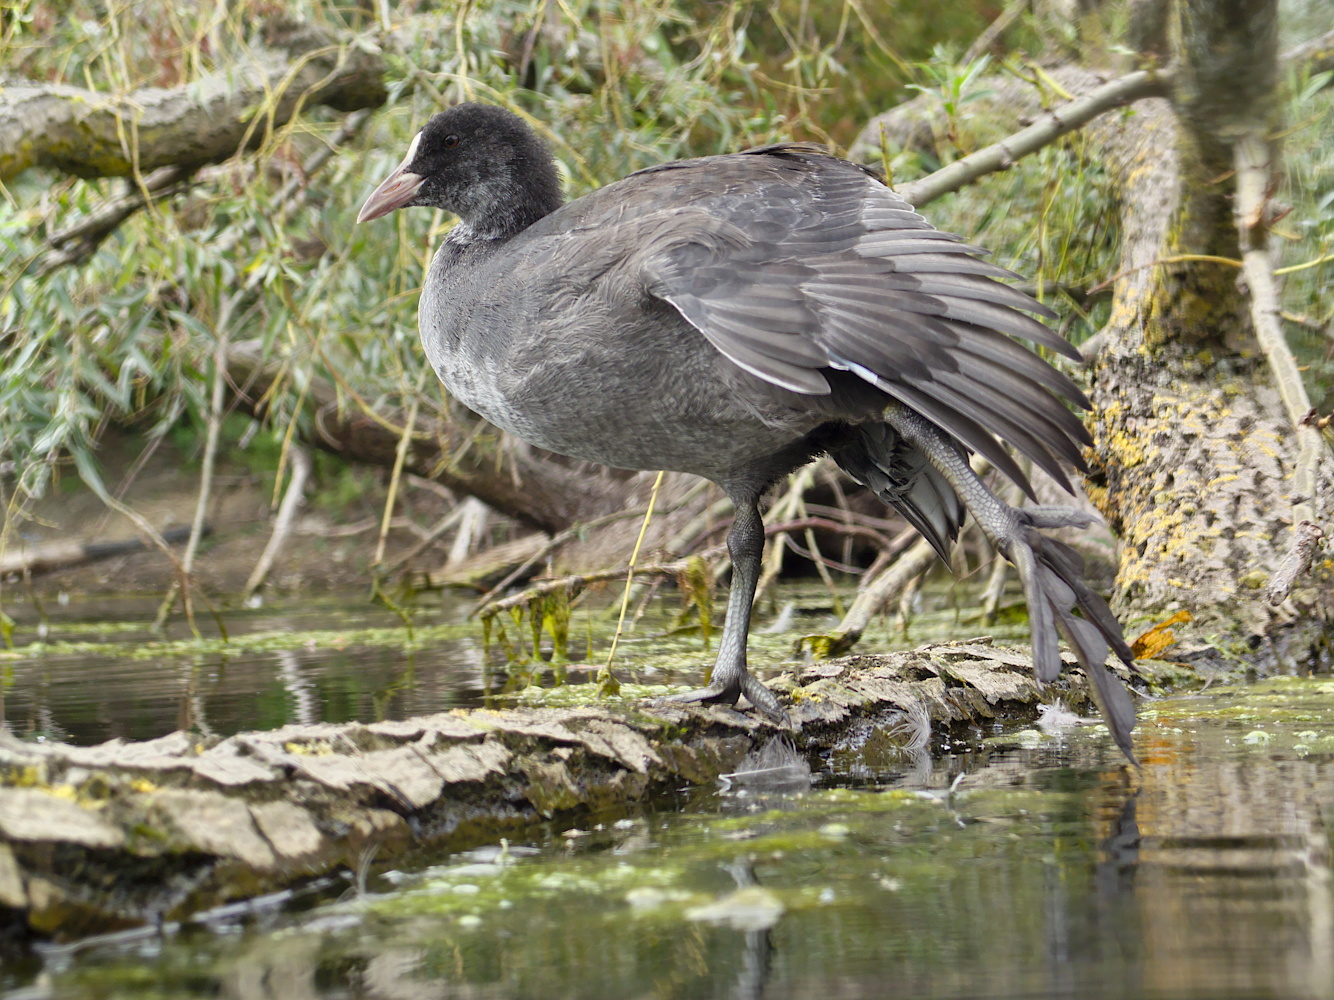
(1194, 454)
(1196, 464)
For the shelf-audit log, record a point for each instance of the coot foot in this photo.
(1050, 572)
(727, 694)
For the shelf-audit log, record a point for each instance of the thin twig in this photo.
(876, 538)
(76, 243)
(1255, 177)
(607, 684)
(1318, 54)
(885, 587)
(822, 562)
(786, 508)
(297, 188)
(551, 545)
(151, 533)
(811, 552)
(1177, 258)
(573, 531)
(1046, 130)
(701, 525)
(217, 401)
(282, 523)
(982, 44)
(432, 535)
(575, 584)
(396, 476)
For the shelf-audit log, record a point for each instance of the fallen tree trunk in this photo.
(93, 134)
(97, 838)
(1196, 464)
(51, 556)
(1196, 461)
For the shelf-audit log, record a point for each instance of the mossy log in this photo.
(98, 838)
(95, 134)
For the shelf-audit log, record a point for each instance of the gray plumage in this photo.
(735, 316)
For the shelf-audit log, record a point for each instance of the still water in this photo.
(1028, 865)
(90, 670)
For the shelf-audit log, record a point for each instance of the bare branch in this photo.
(1317, 54)
(1046, 130)
(982, 43)
(282, 524)
(51, 556)
(1255, 177)
(77, 243)
(885, 587)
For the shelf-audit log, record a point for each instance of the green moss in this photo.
(1288, 714)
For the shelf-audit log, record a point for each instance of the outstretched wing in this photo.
(794, 263)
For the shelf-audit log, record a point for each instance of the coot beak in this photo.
(394, 191)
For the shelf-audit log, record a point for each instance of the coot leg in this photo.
(731, 679)
(1051, 573)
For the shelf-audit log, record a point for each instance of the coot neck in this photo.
(503, 210)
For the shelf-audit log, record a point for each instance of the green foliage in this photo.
(128, 337)
(954, 84)
(1306, 235)
(829, 67)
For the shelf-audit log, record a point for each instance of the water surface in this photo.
(997, 871)
(90, 669)
(1023, 865)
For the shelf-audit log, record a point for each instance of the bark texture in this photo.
(1194, 454)
(93, 134)
(95, 838)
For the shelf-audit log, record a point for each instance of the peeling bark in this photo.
(96, 838)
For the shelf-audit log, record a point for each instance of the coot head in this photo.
(478, 161)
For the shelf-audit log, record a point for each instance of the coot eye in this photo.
(451, 141)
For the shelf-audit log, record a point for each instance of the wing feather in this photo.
(793, 262)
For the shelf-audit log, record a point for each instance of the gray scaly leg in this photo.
(731, 679)
(1052, 575)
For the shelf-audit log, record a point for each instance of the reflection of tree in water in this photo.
(1232, 880)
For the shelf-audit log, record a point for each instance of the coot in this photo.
(736, 316)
